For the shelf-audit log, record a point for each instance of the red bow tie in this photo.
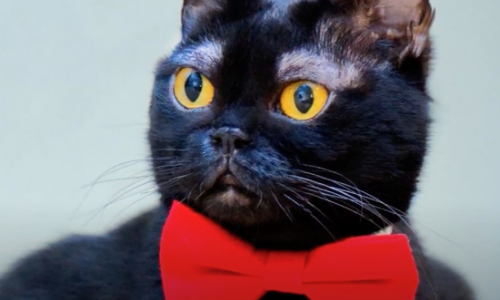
(201, 261)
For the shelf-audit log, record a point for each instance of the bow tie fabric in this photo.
(199, 260)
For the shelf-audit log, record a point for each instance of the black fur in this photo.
(373, 137)
(123, 265)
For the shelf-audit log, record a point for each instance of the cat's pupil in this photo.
(304, 98)
(193, 86)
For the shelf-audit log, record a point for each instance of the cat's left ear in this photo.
(194, 12)
(407, 22)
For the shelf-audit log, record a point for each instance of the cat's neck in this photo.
(294, 237)
(299, 235)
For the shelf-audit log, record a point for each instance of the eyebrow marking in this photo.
(307, 65)
(206, 56)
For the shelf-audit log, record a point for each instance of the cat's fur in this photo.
(304, 183)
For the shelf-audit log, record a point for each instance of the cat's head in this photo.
(294, 123)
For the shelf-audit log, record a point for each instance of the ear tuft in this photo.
(196, 11)
(418, 32)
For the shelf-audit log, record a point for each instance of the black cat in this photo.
(290, 123)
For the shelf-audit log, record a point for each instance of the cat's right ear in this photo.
(195, 12)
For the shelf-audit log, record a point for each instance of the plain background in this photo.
(75, 81)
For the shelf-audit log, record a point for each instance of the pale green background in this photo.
(75, 80)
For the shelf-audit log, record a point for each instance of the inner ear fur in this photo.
(406, 22)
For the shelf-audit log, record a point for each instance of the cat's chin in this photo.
(266, 227)
(230, 197)
(233, 205)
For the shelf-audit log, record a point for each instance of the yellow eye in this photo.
(303, 100)
(192, 89)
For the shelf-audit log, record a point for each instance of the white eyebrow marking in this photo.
(307, 65)
(205, 56)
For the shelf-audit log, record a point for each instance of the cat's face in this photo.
(293, 123)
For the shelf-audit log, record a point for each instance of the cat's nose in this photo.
(229, 139)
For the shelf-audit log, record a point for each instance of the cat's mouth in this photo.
(230, 202)
(229, 191)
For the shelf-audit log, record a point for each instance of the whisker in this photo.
(305, 200)
(353, 186)
(349, 209)
(124, 194)
(359, 202)
(387, 208)
(315, 183)
(282, 208)
(109, 171)
(120, 198)
(310, 214)
(342, 195)
(119, 179)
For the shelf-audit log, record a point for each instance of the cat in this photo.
(292, 124)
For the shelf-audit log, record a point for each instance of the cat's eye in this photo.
(192, 89)
(303, 100)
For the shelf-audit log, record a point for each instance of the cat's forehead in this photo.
(211, 55)
(273, 43)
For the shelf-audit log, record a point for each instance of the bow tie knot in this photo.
(283, 272)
